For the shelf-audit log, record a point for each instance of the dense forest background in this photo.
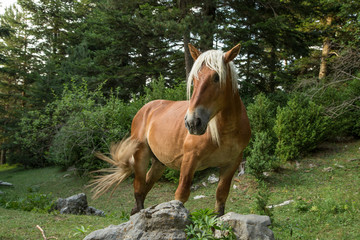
(74, 72)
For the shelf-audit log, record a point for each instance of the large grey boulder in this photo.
(76, 204)
(164, 221)
(168, 221)
(248, 227)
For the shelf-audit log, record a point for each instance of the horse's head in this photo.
(212, 77)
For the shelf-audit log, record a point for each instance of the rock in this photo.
(241, 168)
(199, 197)
(164, 221)
(76, 204)
(328, 169)
(287, 202)
(193, 188)
(212, 179)
(248, 227)
(93, 211)
(6, 184)
(168, 221)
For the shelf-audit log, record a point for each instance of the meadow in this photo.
(324, 187)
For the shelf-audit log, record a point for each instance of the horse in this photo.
(211, 129)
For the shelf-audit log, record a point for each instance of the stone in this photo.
(6, 184)
(76, 204)
(164, 221)
(248, 227)
(93, 211)
(168, 221)
(212, 179)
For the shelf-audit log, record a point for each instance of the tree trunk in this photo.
(188, 58)
(183, 6)
(325, 51)
(2, 157)
(209, 15)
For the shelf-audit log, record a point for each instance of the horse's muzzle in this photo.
(196, 122)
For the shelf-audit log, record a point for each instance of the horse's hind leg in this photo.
(141, 162)
(154, 174)
(223, 188)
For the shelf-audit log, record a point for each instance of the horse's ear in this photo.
(231, 54)
(194, 52)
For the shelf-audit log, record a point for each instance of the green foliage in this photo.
(302, 206)
(299, 127)
(80, 122)
(261, 114)
(33, 202)
(82, 230)
(88, 131)
(172, 175)
(203, 224)
(262, 201)
(158, 89)
(262, 145)
(261, 157)
(37, 128)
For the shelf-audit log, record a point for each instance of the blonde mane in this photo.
(213, 59)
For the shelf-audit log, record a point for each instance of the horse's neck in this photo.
(230, 115)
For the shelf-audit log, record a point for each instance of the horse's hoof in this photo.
(134, 211)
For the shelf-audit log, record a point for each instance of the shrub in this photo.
(89, 131)
(262, 200)
(300, 127)
(261, 157)
(261, 114)
(260, 152)
(37, 128)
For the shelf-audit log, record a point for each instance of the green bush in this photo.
(260, 152)
(261, 114)
(37, 128)
(89, 131)
(300, 127)
(262, 201)
(261, 158)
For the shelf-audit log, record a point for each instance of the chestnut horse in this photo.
(214, 134)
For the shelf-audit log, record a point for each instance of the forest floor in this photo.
(324, 187)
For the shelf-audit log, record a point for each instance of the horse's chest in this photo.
(222, 156)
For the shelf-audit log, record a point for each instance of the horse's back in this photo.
(160, 124)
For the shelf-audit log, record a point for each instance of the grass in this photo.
(325, 188)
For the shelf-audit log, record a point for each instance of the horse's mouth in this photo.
(197, 131)
(196, 121)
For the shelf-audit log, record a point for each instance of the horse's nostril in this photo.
(185, 117)
(197, 122)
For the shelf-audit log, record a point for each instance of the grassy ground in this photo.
(325, 188)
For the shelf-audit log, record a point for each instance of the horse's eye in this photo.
(216, 78)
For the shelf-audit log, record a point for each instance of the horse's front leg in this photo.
(223, 188)
(187, 170)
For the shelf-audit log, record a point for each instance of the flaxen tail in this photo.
(122, 167)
